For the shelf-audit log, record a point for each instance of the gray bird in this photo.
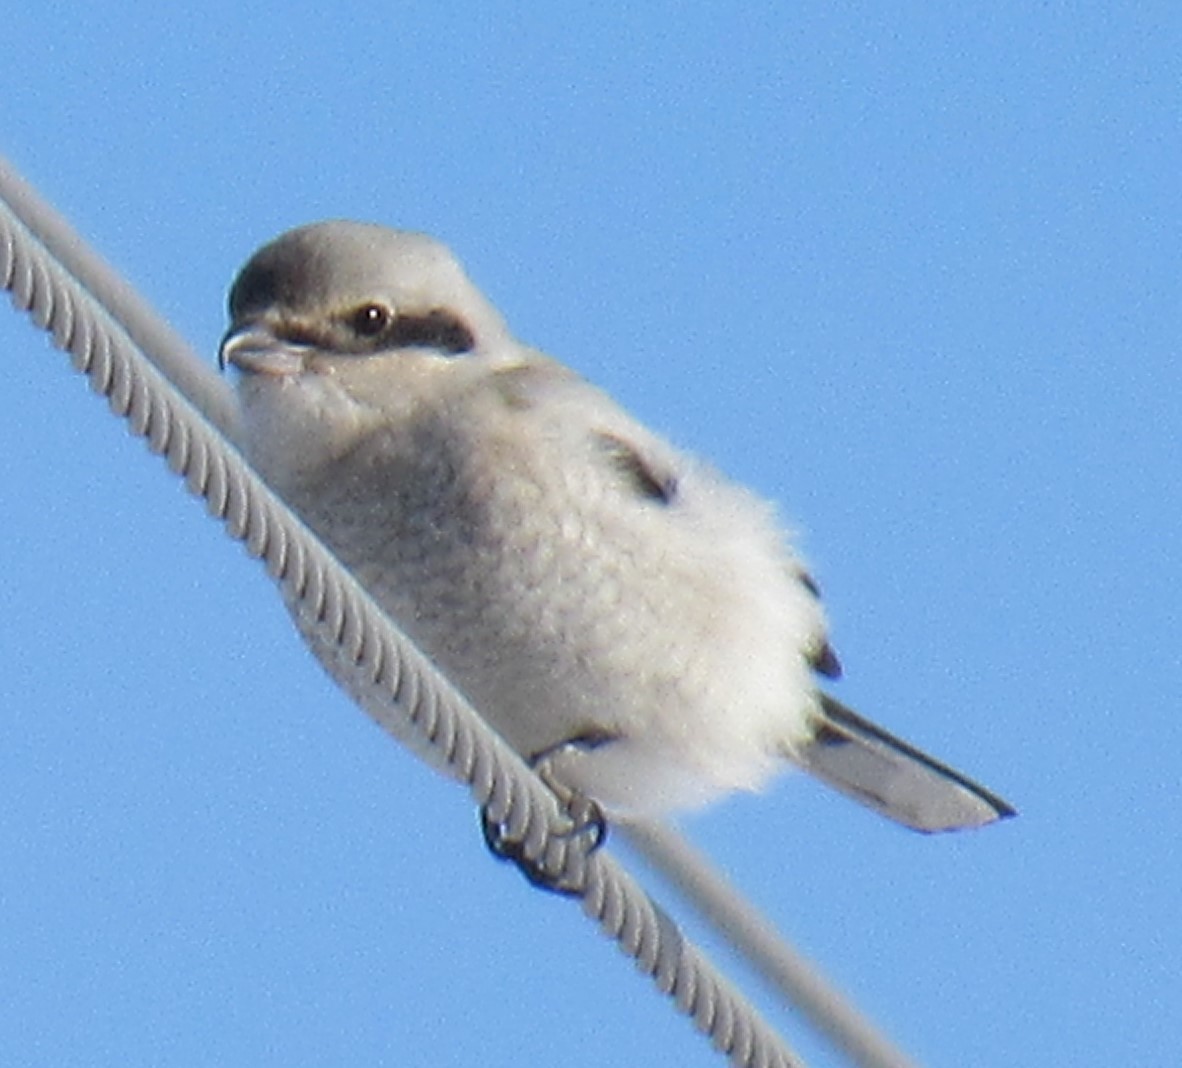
(627, 619)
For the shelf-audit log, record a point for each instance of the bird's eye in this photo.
(370, 320)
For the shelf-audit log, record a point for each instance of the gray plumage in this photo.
(613, 607)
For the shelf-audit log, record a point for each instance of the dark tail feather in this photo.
(862, 760)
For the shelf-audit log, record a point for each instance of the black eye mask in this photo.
(438, 329)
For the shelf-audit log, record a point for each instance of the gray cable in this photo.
(784, 968)
(131, 357)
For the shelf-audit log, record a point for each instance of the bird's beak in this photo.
(255, 350)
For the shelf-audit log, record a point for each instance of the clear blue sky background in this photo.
(914, 274)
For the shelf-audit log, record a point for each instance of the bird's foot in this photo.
(587, 819)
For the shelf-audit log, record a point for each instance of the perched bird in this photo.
(626, 618)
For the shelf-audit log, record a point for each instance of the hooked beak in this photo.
(255, 350)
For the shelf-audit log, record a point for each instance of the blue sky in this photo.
(913, 274)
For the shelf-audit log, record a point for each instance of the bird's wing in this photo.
(642, 464)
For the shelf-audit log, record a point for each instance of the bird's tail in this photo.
(866, 763)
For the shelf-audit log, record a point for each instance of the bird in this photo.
(633, 623)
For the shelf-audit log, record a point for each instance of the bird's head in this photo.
(331, 294)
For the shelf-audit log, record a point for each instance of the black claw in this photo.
(510, 850)
(494, 838)
(587, 818)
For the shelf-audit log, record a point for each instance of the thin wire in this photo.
(753, 936)
(123, 348)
